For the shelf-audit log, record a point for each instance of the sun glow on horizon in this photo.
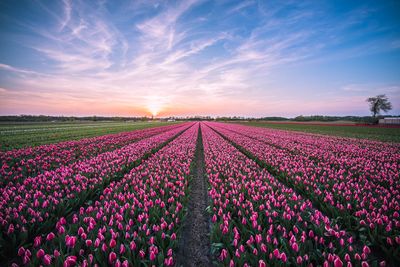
(156, 104)
(154, 109)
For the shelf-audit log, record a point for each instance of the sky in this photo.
(195, 57)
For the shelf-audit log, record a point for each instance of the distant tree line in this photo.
(43, 118)
(359, 119)
(301, 118)
(192, 118)
(363, 119)
(235, 118)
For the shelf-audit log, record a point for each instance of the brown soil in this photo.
(194, 246)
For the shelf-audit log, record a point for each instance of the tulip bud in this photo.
(152, 256)
(50, 236)
(21, 251)
(295, 247)
(338, 263)
(112, 243)
(37, 241)
(112, 257)
(276, 253)
(283, 257)
(122, 249)
(142, 253)
(47, 259)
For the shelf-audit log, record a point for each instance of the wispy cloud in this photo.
(67, 14)
(241, 6)
(16, 70)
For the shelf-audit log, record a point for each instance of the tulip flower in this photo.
(70, 261)
(112, 257)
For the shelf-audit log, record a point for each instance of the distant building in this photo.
(390, 120)
(171, 120)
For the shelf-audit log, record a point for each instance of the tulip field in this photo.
(274, 198)
(15, 135)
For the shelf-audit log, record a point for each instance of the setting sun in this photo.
(156, 104)
(154, 109)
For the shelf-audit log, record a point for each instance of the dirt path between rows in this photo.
(194, 247)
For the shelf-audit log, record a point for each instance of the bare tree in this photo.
(378, 103)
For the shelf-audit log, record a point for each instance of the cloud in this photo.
(194, 48)
(17, 70)
(67, 14)
(372, 88)
(241, 6)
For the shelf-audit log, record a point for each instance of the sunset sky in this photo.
(246, 58)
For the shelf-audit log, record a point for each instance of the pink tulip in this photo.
(70, 261)
(47, 260)
(56, 253)
(264, 248)
(112, 257)
(40, 253)
(122, 249)
(112, 243)
(61, 230)
(337, 263)
(50, 236)
(37, 242)
(169, 261)
(152, 256)
(10, 229)
(283, 257)
(26, 259)
(21, 251)
(70, 241)
(276, 253)
(223, 254)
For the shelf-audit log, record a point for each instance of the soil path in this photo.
(194, 248)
